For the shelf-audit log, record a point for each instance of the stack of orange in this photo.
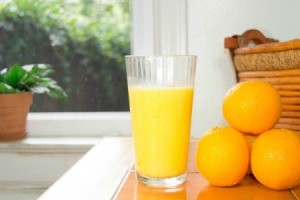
(226, 154)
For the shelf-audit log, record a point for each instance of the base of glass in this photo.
(161, 182)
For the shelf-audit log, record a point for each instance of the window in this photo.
(147, 37)
(84, 40)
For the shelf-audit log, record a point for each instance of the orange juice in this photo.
(161, 128)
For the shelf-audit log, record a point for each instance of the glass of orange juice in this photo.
(161, 95)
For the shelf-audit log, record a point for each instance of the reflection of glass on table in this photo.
(143, 192)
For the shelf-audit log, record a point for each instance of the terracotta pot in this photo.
(13, 115)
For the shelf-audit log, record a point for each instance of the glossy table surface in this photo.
(196, 187)
(106, 172)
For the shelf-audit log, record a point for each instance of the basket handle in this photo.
(243, 40)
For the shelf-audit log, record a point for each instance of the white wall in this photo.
(209, 22)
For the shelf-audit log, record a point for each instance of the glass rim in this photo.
(160, 56)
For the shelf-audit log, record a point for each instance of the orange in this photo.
(250, 139)
(275, 159)
(222, 156)
(252, 106)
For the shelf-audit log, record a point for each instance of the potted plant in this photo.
(17, 86)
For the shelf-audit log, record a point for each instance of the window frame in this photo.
(158, 27)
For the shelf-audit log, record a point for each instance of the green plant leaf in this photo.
(31, 78)
(5, 89)
(38, 69)
(40, 89)
(28, 81)
(50, 87)
(57, 92)
(1, 78)
(46, 81)
(3, 71)
(14, 75)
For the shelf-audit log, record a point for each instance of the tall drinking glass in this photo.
(161, 95)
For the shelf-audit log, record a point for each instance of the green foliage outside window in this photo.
(84, 40)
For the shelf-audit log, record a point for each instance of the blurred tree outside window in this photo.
(84, 40)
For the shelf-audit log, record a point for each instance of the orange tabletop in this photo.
(196, 187)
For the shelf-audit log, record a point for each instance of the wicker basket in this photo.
(275, 62)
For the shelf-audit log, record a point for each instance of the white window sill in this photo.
(54, 142)
(97, 175)
(49, 145)
(84, 124)
(31, 165)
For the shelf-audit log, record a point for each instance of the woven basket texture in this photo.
(281, 60)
